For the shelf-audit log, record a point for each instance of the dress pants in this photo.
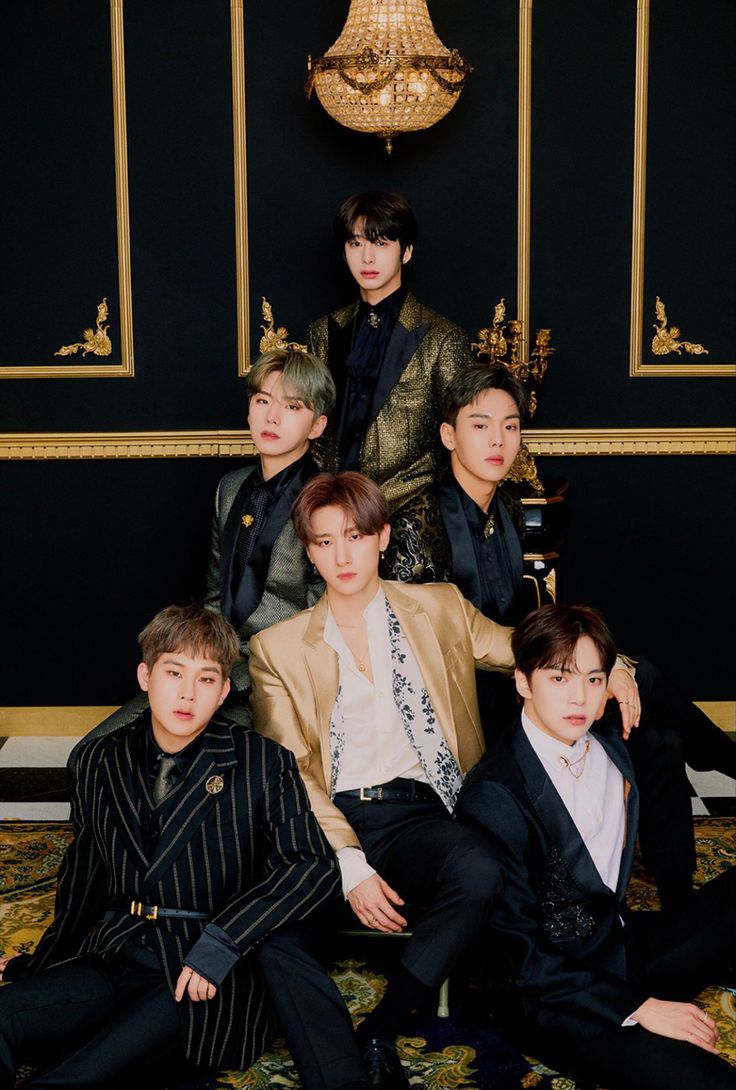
(436, 864)
(311, 1012)
(90, 1023)
(673, 956)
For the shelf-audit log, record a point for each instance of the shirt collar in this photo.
(548, 749)
(275, 485)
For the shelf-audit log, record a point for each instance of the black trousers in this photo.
(674, 956)
(311, 1012)
(433, 863)
(91, 1023)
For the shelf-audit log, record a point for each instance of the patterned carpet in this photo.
(462, 1052)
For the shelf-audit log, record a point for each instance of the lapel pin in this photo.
(247, 520)
(214, 785)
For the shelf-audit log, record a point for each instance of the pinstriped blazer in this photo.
(252, 856)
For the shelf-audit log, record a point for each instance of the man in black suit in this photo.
(599, 993)
(467, 530)
(258, 573)
(194, 845)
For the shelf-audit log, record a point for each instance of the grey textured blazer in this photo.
(290, 584)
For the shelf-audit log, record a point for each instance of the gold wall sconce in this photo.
(501, 343)
(388, 72)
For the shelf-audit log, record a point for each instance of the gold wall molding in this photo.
(77, 720)
(524, 170)
(557, 442)
(125, 368)
(641, 95)
(237, 40)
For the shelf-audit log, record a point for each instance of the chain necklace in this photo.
(571, 765)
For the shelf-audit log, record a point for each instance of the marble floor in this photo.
(34, 785)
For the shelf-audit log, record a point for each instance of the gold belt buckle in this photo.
(136, 909)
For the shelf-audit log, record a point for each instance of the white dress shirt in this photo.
(377, 748)
(594, 799)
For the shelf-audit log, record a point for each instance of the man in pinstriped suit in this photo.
(194, 844)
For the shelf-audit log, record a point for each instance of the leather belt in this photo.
(397, 790)
(155, 912)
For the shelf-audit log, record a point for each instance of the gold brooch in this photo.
(247, 520)
(214, 785)
(490, 526)
(373, 319)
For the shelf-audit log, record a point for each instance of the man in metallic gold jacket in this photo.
(390, 356)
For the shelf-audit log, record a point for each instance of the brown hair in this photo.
(468, 384)
(548, 638)
(197, 631)
(360, 499)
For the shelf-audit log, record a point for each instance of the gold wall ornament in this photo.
(95, 341)
(524, 468)
(503, 342)
(388, 72)
(665, 340)
(273, 337)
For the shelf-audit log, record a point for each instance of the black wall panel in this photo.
(91, 548)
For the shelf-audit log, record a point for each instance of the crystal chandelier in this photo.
(388, 72)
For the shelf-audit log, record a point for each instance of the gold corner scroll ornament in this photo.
(275, 337)
(95, 341)
(495, 342)
(665, 340)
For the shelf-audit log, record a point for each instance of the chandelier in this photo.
(388, 72)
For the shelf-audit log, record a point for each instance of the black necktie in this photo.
(164, 778)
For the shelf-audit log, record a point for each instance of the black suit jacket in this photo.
(250, 855)
(431, 542)
(559, 925)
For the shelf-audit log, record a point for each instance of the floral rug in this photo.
(463, 1052)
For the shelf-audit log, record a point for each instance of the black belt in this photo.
(154, 912)
(397, 790)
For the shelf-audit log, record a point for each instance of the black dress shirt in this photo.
(364, 347)
(498, 559)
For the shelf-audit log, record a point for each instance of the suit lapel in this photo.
(228, 539)
(191, 801)
(118, 766)
(554, 816)
(324, 676)
(404, 341)
(464, 565)
(252, 583)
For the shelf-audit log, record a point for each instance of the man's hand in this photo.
(194, 985)
(623, 688)
(3, 966)
(681, 1021)
(371, 901)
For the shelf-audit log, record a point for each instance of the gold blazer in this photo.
(401, 446)
(294, 674)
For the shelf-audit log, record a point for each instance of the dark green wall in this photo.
(91, 548)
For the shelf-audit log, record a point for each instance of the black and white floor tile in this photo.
(34, 785)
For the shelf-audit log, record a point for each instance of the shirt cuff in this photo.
(354, 868)
(213, 954)
(630, 1021)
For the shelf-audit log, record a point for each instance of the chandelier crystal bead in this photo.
(388, 72)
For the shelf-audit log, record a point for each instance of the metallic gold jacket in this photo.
(401, 445)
